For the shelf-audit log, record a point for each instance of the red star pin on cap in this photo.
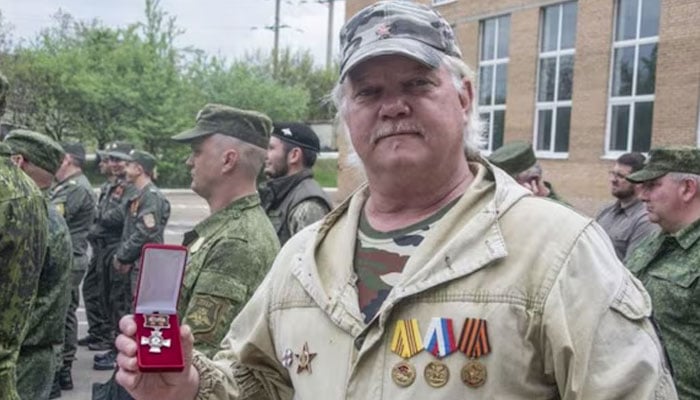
(383, 31)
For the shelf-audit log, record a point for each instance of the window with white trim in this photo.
(493, 79)
(633, 77)
(555, 79)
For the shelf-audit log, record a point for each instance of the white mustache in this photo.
(396, 129)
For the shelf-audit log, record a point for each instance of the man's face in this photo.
(205, 165)
(117, 166)
(401, 113)
(662, 197)
(276, 165)
(132, 170)
(103, 165)
(619, 186)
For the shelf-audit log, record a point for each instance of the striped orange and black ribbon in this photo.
(474, 340)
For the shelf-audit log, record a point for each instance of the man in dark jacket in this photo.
(292, 198)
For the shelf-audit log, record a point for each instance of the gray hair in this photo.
(681, 176)
(251, 157)
(473, 134)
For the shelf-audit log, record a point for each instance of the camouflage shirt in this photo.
(669, 267)
(47, 320)
(147, 213)
(75, 202)
(230, 253)
(23, 235)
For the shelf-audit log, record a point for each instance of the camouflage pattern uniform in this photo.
(23, 236)
(294, 202)
(230, 253)
(75, 201)
(42, 347)
(147, 213)
(669, 267)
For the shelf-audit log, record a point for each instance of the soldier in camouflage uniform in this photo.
(519, 161)
(292, 199)
(147, 213)
(73, 197)
(23, 239)
(42, 347)
(100, 330)
(231, 250)
(668, 263)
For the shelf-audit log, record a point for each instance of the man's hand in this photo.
(121, 268)
(162, 386)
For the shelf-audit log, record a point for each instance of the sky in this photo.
(227, 28)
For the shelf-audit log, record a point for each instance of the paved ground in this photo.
(187, 210)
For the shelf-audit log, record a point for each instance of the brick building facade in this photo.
(585, 81)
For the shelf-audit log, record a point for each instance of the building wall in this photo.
(582, 178)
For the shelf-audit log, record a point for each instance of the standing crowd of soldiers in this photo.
(549, 302)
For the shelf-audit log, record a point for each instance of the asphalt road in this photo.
(186, 210)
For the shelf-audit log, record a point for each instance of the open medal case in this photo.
(155, 308)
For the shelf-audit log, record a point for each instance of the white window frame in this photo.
(552, 105)
(442, 2)
(494, 63)
(626, 100)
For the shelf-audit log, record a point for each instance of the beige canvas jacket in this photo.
(565, 318)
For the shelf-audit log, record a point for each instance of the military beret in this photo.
(297, 134)
(37, 148)
(396, 27)
(75, 149)
(664, 160)
(249, 126)
(119, 150)
(514, 157)
(145, 159)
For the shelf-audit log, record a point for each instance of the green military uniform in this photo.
(230, 253)
(517, 157)
(23, 236)
(36, 365)
(42, 347)
(668, 264)
(74, 199)
(147, 213)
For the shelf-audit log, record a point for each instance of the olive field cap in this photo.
(119, 150)
(297, 134)
(661, 161)
(145, 159)
(396, 27)
(249, 126)
(37, 148)
(514, 157)
(75, 149)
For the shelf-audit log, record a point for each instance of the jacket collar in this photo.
(275, 190)
(217, 221)
(469, 232)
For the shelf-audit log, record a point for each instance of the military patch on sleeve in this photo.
(149, 220)
(203, 316)
(61, 209)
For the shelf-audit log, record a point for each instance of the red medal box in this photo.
(155, 308)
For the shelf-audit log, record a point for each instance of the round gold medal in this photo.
(473, 374)
(436, 374)
(403, 374)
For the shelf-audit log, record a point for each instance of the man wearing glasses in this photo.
(625, 220)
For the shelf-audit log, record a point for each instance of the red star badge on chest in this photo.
(305, 359)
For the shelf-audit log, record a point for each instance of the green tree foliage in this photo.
(82, 80)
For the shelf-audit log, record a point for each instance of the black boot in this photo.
(65, 379)
(56, 387)
(106, 363)
(87, 339)
(99, 346)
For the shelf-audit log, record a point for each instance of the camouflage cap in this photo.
(297, 134)
(37, 148)
(145, 159)
(4, 89)
(514, 157)
(249, 126)
(119, 150)
(396, 27)
(75, 149)
(661, 161)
